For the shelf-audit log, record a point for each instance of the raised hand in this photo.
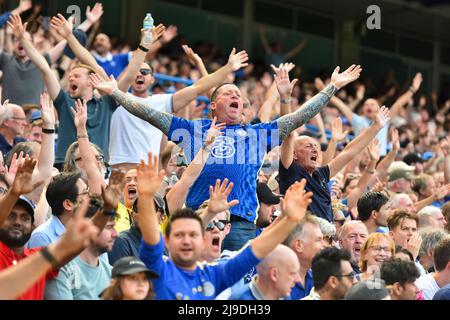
(4, 105)
(395, 140)
(104, 87)
(318, 83)
(16, 26)
(288, 66)
(192, 56)
(237, 60)
(214, 131)
(336, 130)
(413, 245)
(22, 180)
(340, 80)
(170, 33)
(11, 171)
(284, 85)
(442, 192)
(80, 114)
(47, 113)
(382, 117)
(61, 25)
(218, 197)
(113, 192)
(25, 5)
(417, 81)
(95, 14)
(296, 201)
(157, 32)
(374, 150)
(148, 178)
(360, 92)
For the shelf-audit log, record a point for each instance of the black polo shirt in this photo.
(317, 184)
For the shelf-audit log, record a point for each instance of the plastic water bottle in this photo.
(148, 25)
(173, 179)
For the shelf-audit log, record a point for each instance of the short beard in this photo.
(13, 242)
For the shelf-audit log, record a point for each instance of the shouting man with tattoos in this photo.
(239, 153)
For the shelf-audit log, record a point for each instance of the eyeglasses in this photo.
(351, 275)
(18, 118)
(85, 192)
(3, 190)
(379, 249)
(219, 224)
(98, 157)
(145, 72)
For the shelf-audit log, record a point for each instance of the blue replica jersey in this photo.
(237, 155)
(203, 283)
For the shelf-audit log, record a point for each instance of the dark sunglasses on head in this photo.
(145, 72)
(219, 224)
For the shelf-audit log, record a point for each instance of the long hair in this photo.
(114, 291)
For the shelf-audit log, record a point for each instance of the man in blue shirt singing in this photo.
(238, 154)
(181, 276)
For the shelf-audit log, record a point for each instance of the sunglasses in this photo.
(145, 72)
(219, 224)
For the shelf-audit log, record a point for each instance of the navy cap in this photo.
(24, 202)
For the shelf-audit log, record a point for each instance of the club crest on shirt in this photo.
(223, 147)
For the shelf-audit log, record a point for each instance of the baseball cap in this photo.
(427, 155)
(411, 158)
(265, 195)
(25, 203)
(398, 174)
(160, 204)
(35, 115)
(400, 165)
(129, 265)
(372, 289)
(443, 293)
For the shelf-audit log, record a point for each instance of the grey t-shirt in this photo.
(22, 81)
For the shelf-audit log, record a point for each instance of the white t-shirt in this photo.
(131, 138)
(428, 286)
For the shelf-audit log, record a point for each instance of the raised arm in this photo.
(264, 42)
(287, 150)
(195, 59)
(51, 82)
(358, 144)
(159, 119)
(177, 194)
(284, 87)
(62, 26)
(148, 182)
(290, 122)
(235, 61)
(374, 155)
(138, 58)
(404, 98)
(383, 166)
(294, 207)
(20, 186)
(338, 103)
(47, 155)
(94, 176)
(293, 52)
(218, 200)
(92, 16)
(336, 136)
(445, 147)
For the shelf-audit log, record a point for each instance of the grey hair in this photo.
(328, 229)
(299, 230)
(426, 214)
(6, 114)
(430, 240)
(346, 225)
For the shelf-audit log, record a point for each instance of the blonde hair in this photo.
(373, 238)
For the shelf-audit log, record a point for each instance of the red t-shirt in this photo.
(36, 292)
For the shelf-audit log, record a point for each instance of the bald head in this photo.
(279, 257)
(307, 153)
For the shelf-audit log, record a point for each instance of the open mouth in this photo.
(314, 158)
(234, 105)
(216, 241)
(357, 250)
(140, 81)
(73, 87)
(132, 192)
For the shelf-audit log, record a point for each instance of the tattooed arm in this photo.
(290, 122)
(159, 119)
